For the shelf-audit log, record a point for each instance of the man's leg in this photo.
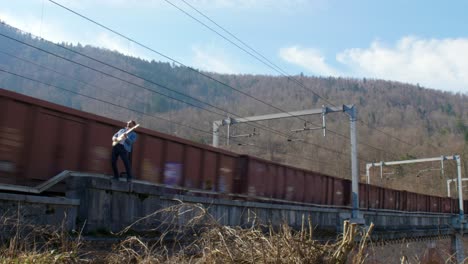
(128, 168)
(115, 155)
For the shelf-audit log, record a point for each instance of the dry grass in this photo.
(22, 242)
(203, 240)
(186, 234)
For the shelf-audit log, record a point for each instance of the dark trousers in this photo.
(119, 150)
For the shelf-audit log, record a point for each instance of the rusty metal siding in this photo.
(209, 170)
(241, 175)
(341, 194)
(363, 195)
(280, 184)
(374, 197)
(256, 177)
(421, 202)
(299, 183)
(398, 202)
(44, 147)
(39, 139)
(290, 184)
(226, 174)
(99, 150)
(313, 190)
(151, 159)
(173, 163)
(446, 205)
(389, 199)
(192, 167)
(69, 155)
(271, 178)
(411, 201)
(12, 140)
(310, 183)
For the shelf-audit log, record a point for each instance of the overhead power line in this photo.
(145, 114)
(206, 75)
(157, 84)
(268, 62)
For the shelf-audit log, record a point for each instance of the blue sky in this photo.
(423, 42)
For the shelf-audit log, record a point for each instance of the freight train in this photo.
(39, 139)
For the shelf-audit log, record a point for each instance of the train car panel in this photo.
(271, 180)
(412, 200)
(209, 170)
(280, 183)
(192, 168)
(14, 117)
(363, 196)
(226, 174)
(44, 146)
(39, 139)
(151, 159)
(421, 203)
(389, 199)
(374, 197)
(299, 185)
(435, 204)
(173, 163)
(446, 205)
(340, 192)
(259, 171)
(290, 184)
(315, 184)
(68, 155)
(99, 148)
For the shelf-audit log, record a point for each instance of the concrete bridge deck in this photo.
(105, 204)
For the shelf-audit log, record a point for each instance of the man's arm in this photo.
(131, 138)
(116, 135)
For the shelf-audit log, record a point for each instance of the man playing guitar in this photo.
(122, 142)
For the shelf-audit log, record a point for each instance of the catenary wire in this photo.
(118, 78)
(142, 113)
(271, 64)
(206, 75)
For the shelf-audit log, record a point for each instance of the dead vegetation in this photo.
(23, 242)
(185, 234)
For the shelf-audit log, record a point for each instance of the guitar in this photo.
(121, 137)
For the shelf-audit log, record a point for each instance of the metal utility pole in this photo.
(441, 159)
(456, 185)
(232, 121)
(350, 110)
(459, 224)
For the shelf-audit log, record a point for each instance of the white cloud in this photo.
(209, 58)
(310, 59)
(52, 31)
(434, 63)
(119, 44)
(37, 27)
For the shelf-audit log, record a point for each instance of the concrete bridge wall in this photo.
(29, 209)
(113, 205)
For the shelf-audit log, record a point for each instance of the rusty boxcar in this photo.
(39, 139)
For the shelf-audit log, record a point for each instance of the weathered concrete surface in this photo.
(39, 210)
(111, 205)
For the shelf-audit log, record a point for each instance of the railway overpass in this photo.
(95, 202)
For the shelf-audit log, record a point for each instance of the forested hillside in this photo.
(396, 120)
